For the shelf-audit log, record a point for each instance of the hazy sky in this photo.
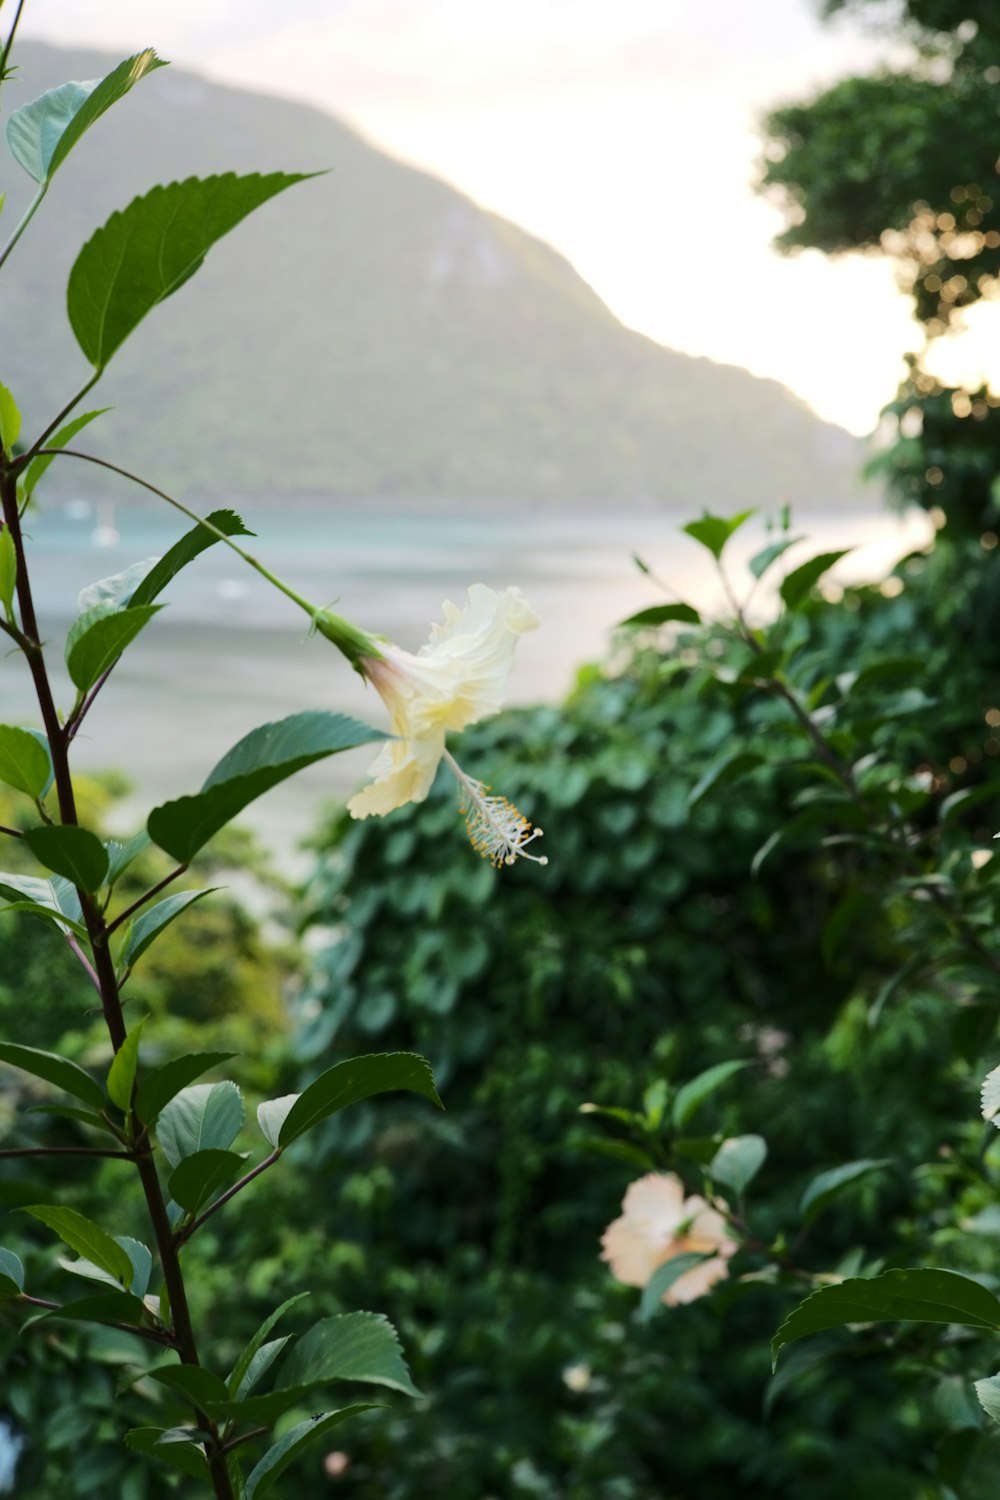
(622, 131)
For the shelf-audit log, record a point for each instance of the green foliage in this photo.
(904, 162)
(150, 249)
(845, 971)
(921, 1296)
(261, 760)
(42, 134)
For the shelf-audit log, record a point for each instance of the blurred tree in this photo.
(905, 162)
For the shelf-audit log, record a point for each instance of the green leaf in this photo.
(729, 768)
(207, 1117)
(663, 1279)
(121, 1075)
(191, 544)
(8, 572)
(54, 1069)
(138, 1254)
(349, 1346)
(11, 1275)
(24, 761)
(272, 1114)
(915, 1296)
(87, 1239)
(71, 1112)
(662, 614)
(358, 1078)
(120, 856)
(150, 249)
(829, 1185)
(108, 1307)
(147, 928)
(988, 1392)
(200, 1176)
(33, 473)
(738, 1160)
(176, 1446)
(798, 585)
(116, 592)
(43, 133)
(98, 637)
(990, 1097)
(163, 1083)
(194, 1382)
(288, 1447)
(236, 1384)
(714, 532)
(262, 1360)
(258, 762)
(75, 853)
(55, 900)
(263, 1410)
(762, 560)
(10, 420)
(692, 1095)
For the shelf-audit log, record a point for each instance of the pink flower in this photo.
(658, 1223)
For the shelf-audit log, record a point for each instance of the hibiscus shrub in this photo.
(717, 892)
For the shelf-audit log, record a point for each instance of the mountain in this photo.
(372, 334)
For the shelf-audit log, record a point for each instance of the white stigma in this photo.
(496, 829)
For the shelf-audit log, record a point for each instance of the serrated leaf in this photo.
(120, 855)
(738, 1160)
(663, 1279)
(86, 1238)
(914, 1296)
(990, 1097)
(10, 420)
(11, 1275)
(272, 1114)
(149, 249)
(662, 614)
(988, 1392)
(98, 637)
(191, 544)
(288, 1447)
(56, 900)
(829, 1185)
(122, 1073)
(160, 1086)
(692, 1095)
(259, 761)
(796, 587)
(24, 762)
(200, 1176)
(8, 572)
(238, 1375)
(33, 473)
(763, 559)
(348, 1346)
(43, 133)
(206, 1117)
(75, 853)
(728, 768)
(358, 1078)
(176, 1446)
(147, 928)
(54, 1069)
(714, 532)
